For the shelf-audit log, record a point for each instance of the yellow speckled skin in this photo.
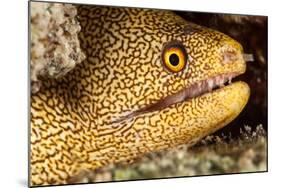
(74, 123)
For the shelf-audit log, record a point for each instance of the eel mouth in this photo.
(197, 89)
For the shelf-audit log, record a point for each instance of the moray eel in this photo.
(151, 81)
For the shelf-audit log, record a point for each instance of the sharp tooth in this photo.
(229, 80)
(221, 83)
(217, 80)
(211, 83)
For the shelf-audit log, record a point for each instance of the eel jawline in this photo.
(193, 91)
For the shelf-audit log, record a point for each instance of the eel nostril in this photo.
(248, 57)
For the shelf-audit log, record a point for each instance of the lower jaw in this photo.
(230, 99)
(191, 120)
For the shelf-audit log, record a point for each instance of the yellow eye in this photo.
(174, 56)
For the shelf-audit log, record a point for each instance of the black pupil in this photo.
(174, 59)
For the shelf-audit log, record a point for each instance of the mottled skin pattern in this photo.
(74, 120)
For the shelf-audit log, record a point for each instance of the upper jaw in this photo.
(193, 91)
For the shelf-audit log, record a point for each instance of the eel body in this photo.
(151, 81)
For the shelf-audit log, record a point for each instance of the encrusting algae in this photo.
(55, 48)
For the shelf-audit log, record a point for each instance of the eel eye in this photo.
(174, 56)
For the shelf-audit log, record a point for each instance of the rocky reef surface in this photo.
(54, 47)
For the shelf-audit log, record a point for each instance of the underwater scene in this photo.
(121, 93)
